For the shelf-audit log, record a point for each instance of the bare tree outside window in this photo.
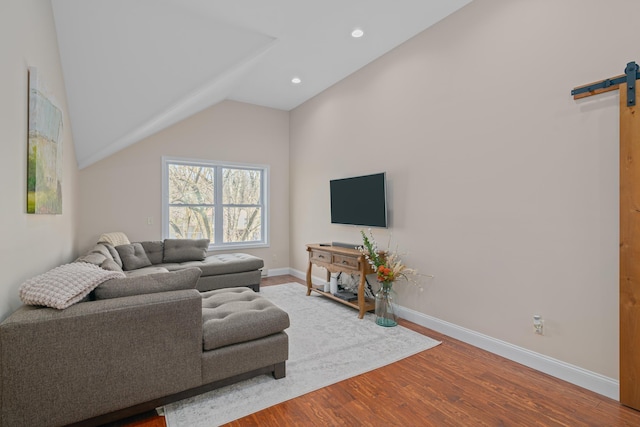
(221, 203)
(241, 195)
(191, 201)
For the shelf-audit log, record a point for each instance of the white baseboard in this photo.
(278, 272)
(593, 381)
(556, 368)
(303, 276)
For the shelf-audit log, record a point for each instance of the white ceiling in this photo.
(134, 67)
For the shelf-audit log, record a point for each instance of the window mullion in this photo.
(231, 205)
(188, 205)
(218, 207)
(263, 209)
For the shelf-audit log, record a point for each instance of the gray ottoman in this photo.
(235, 317)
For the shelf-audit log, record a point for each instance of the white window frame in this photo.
(218, 217)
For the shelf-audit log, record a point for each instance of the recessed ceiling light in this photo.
(357, 33)
(296, 80)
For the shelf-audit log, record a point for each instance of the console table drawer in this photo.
(321, 256)
(346, 261)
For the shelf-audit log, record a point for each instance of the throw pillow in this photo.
(64, 285)
(101, 248)
(182, 250)
(114, 254)
(110, 265)
(133, 256)
(154, 251)
(92, 258)
(149, 284)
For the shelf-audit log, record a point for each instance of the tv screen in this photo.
(359, 200)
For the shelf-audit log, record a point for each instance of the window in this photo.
(223, 202)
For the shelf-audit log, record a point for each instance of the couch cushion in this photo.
(65, 285)
(174, 266)
(133, 256)
(152, 269)
(235, 315)
(180, 250)
(148, 284)
(227, 264)
(154, 250)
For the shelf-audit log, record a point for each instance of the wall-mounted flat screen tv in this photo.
(360, 200)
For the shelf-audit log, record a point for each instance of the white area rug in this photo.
(327, 344)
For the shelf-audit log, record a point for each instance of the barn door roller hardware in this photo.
(629, 77)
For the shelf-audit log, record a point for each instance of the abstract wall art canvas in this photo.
(44, 165)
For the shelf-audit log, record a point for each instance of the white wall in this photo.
(501, 185)
(120, 192)
(33, 243)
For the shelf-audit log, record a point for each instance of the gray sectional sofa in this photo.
(142, 339)
(141, 258)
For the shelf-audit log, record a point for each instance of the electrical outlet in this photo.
(538, 324)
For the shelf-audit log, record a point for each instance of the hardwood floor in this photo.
(453, 384)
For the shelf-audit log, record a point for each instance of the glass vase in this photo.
(385, 313)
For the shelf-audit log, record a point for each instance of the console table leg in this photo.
(309, 279)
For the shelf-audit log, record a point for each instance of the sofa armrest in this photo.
(59, 367)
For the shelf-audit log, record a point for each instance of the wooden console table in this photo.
(337, 259)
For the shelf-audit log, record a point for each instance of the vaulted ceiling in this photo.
(134, 67)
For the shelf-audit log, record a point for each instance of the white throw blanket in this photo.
(64, 285)
(115, 238)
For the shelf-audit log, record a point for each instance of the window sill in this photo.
(234, 246)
